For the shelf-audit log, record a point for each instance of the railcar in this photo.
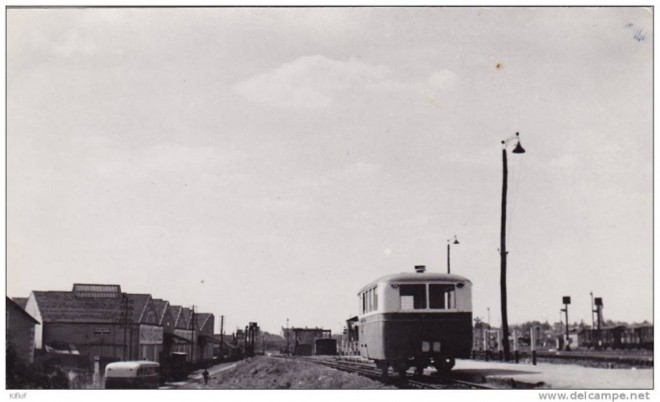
(618, 338)
(415, 320)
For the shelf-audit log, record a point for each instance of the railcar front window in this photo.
(442, 296)
(412, 297)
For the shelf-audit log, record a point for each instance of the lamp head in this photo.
(456, 240)
(518, 149)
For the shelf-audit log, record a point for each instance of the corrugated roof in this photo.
(21, 301)
(184, 321)
(21, 309)
(201, 319)
(175, 312)
(162, 307)
(56, 306)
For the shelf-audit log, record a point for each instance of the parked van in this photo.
(132, 375)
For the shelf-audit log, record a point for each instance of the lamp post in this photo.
(505, 321)
(448, 248)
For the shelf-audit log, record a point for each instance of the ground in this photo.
(556, 376)
(278, 373)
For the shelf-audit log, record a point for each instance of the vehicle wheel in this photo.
(384, 367)
(401, 369)
(445, 365)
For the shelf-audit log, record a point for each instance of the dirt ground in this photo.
(261, 373)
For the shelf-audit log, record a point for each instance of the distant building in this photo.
(20, 330)
(204, 323)
(300, 341)
(193, 334)
(96, 320)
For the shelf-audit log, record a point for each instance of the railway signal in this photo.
(598, 302)
(566, 300)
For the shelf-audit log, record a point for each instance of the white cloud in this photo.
(443, 79)
(314, 82)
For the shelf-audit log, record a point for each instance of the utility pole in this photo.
(222, 323)
(192, 345)
(126, 319)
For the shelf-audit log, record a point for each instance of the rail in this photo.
(417, 382)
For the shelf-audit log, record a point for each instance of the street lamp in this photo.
(505, 321)
(448, 243)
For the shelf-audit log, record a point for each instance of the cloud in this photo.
(314, 82)
(317, 82)
(443, 79)
(73, 43)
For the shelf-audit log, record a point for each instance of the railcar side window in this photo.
(412, 297)
(369, 301)
(442, 296)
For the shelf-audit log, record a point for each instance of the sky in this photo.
(266, 163)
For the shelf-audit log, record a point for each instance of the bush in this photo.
(33, 376)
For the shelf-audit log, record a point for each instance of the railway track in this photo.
(410, 382)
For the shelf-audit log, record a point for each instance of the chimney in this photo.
(420, 269)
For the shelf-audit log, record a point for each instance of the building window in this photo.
(412, 297)
(442, 296)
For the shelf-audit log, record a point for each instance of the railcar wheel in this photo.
(401, 369)
(384, 367)
(445, 364)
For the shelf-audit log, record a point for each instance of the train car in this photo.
(174, 367)
(325, 346)
(415, 320)
(132, 375)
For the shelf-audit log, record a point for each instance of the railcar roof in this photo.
(416, 277)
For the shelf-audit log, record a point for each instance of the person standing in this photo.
(205, 374)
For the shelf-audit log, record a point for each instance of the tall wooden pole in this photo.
(503, 252)
(448, 259)
(222, 340)
(192, 346)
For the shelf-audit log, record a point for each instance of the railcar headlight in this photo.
(426, 346)
(436, 346)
